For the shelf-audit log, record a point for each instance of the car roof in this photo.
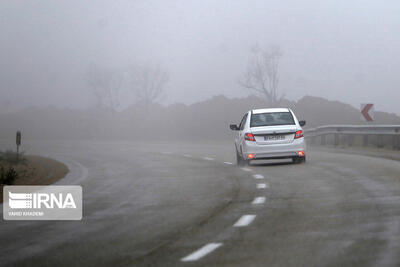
(269, 110)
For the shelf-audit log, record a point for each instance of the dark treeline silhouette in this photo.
(205, 120)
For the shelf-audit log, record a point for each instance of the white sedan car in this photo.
(273, 133)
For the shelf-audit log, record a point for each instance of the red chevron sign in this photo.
(367, 112)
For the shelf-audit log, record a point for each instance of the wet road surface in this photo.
(170, 204)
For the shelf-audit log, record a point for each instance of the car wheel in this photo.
(245, 162)
(298, 160)
(239, 160)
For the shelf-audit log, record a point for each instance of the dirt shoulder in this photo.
(37, 170)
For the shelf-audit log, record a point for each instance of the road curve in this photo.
(170, 204)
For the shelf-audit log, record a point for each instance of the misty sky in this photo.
(341, 50)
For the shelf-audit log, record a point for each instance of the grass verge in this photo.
(35, 170)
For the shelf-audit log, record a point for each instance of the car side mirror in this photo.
(302, 123)
(234, 127)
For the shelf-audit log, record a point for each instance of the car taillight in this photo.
(298, 134)
(249, 137)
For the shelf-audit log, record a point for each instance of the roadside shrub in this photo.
(7, 177)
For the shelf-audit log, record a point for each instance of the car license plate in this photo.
(274, 137)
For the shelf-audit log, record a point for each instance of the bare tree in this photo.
(262, 74)
(148, 82)
(106, 85)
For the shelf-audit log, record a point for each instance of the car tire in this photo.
(299, 160)
(239, 160)
(245, 162)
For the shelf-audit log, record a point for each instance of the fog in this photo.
(339, 50)
(151, 119)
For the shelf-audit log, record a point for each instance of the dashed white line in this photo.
(262, 186)
(202, 252)
(227, 162)
(245, 220)
(258, 176)
(187, 155)
(258, 200)
(207, 158)
(167, 153)
(246, 169)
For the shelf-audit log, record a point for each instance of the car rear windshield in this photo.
(271, 119)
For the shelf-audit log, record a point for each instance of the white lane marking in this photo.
(227, 162)
(246, 169)
(244, 220)
(258, 200)
(167, 152)
(262, 186)
(207, 158)
(187, 155)
(72, 177)
(258, 176)
(202, 252)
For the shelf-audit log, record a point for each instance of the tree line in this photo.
(146, 83)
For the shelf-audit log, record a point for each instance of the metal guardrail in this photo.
(355, 135)
(354, 129)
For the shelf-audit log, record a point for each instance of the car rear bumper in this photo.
(277, 151)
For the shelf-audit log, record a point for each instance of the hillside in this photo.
(203, 120)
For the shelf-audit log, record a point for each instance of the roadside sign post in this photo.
(367, 112)
(18, 142)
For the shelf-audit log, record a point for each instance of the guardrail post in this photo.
(312, 141)
(379, 140)
(365, 140)
(350, 140)
(396, 142)
(323, 139)
(336, 139)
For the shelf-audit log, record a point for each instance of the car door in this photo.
(240, 133)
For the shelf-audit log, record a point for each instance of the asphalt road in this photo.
(171, 204)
